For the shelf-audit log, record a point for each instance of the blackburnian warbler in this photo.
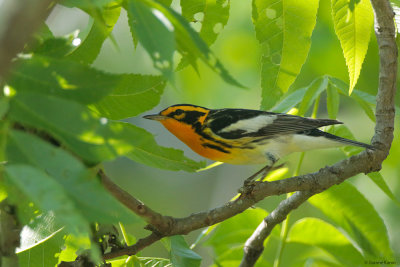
(243, 136)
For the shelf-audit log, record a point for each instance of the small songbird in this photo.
(243, 136)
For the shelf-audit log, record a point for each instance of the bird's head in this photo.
(183, 113)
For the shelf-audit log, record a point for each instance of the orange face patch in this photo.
(186, 134)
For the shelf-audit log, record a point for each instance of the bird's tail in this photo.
(347, 141)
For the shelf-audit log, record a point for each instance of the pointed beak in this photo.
(155, 117)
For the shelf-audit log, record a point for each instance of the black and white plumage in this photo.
(272, 135)
(243, 136)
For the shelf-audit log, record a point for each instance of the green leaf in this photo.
(92, 138)
(377, 178)
(147, 151)
(95, 203)
(365, 106)
(211, 15)
(56, 47)
(48, 195)
(43, 33)
(332, 101)
(313, 91)
(3, 106)
(76, 245)
(229, 237)
(4, 127)
(353, 22)
(133, 95)
(67, 79)
(175, 33)
(151, 26)
(39, 230)
(290, 101)
(180, 253)
(45, 245)
(69, 122)
(351, 211)
(284, 30)
(41, 241)
(87, 4)
(131, 261)
(315, 232)
(88, 50)
(365, 100)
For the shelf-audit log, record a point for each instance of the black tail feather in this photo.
(316, 132)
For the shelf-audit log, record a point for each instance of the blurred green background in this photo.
(180, 193)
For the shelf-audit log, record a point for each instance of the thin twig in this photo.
(132, 250)
(160, 222)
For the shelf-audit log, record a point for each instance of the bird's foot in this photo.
(251, 182)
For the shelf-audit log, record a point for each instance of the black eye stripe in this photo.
(176, 112)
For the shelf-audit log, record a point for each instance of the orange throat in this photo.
(196, 142)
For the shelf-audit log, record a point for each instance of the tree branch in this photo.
(131, 250)
(385, 112)
(365, 162)
(254, 245)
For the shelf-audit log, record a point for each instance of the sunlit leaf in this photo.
(101, 28)
(351, 211)
(212, 165)
(39, 245)
(353, 22)
(48, 195)
(93, 138)
(62, 78)
(69, 122)
(133, 261)
(38, 230)
(75, 245)
(95, 203)
(133, 95)
(315, 232)
(284, 29)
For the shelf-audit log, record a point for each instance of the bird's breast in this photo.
(203, 146)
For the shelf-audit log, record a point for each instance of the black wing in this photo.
(238, 123)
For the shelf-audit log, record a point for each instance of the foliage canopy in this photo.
(62, 118)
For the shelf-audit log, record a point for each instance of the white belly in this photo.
(270, 150)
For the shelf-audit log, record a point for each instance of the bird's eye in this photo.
(178, 112)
